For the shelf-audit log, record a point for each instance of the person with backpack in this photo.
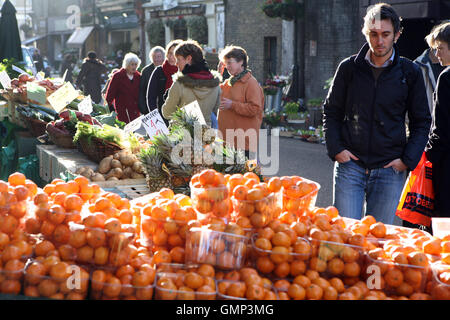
(364, 121)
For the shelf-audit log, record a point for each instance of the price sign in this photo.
(154, 123)
(193, 109)
(36, 93)
(62, 97)
(17, 69)
(133, 125)
(85, 106)
(5, 80)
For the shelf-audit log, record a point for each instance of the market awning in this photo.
(33, 39)
(79, 36)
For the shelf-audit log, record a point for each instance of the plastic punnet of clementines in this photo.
(106, 245)
(253, 288)
(210, 196)
(185, 282)
(299, 194)
(56, 280)
(439, 286)
(11, 276)
(223, 247)
(127, 282)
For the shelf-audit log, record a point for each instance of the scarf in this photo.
(234, 79)
(169, 70)
(198, 71)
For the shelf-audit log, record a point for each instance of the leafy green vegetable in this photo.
(111, 120)
(108, 133)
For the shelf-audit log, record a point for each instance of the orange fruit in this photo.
(314, 292)
(378, 230)
(16, 179)
(368, 220)
(432, 246)
(296, 292)
(393, 277)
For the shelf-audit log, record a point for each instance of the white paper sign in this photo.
(154, 123)
(17, 69)
(133, 125)
(193, 109)
(85, 106)
(441, 227)
(5, 80)
(62, 97)
(64, 75)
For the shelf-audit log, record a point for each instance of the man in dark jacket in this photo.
(438, 149)
(157, 56)
(364, 121)
(90, 77)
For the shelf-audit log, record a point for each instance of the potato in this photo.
(98, 177)
(105, 165)
(116, 156)
(113, 179)
(136, 175)
(116, 164)
(88, 173)
(80, 170)
(116, 172)
(127, 159)
(127, 172)
(138, 167)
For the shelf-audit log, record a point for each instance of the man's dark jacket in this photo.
(156, 90)
(146, 74)
(367, 117)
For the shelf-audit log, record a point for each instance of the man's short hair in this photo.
(235, 52)
(440, 33)
(381, 11)
(156, 49)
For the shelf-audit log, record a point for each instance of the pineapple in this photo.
(156, 172)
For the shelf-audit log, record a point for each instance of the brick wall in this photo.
(246, 25)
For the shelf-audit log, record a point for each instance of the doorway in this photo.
(412, 41)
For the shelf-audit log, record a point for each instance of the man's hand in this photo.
(225, 104)
(345, 156)
(397, 164)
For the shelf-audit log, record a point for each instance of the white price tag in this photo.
(85, 106)
(133, 125)
(5, 80)
(193, 109)
(154, 123)
(17, 69)
(62, 97)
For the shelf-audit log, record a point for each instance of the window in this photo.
(270, 56)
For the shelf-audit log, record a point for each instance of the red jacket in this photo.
(123, 95)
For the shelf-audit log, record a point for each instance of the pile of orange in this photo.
(210, 195)
(185, 283)
(165, 220)
(244, 284)
(49, 277)
(128, 282)
(255, 203)
(221, 245)
(299, 194)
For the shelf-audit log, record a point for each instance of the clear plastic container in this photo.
(167, 233)
(301, 205)
(221, 249)
(185, 282)
(238, 290)
(116, 286)
(441, 227)
(56, 282)
(271, 262)
(11, 277)
(101, 247)
(439, 286)
(211, 202)
(394, 279)
(258, 212)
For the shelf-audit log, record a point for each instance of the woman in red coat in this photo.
(123, 91)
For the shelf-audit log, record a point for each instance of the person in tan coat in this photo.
(193, 82)
(242, 102)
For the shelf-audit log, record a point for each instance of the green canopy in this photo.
(10, 45)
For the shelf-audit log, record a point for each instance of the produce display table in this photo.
(54, 160)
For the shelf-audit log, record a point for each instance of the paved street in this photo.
(310, 161)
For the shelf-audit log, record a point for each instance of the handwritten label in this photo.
(133, 125)
(193, 109)
(62, 97)
(17, 69)
(154, 123)
(36, 93)
(85, 106)
(5, 80)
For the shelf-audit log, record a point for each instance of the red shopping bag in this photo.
(417, 202)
